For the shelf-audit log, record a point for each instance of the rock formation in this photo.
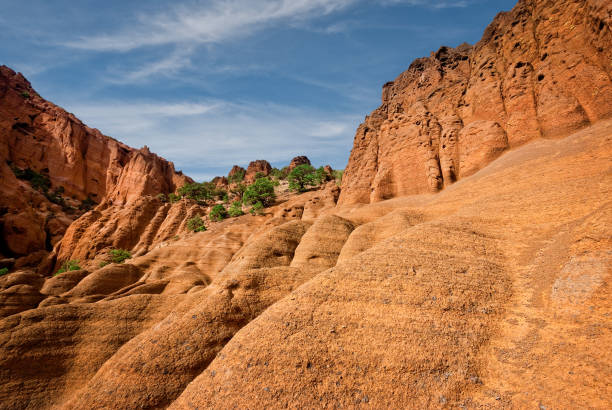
(300, 160)
(260, 166)
(76, 161)
(493, 293)
(541, 70)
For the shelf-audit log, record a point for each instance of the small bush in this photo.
(3, 271)
(235, 209)
(37, 180)
(262, 190)
(56, 196)
(237, 177)
(196, 224)
(218, 213)
(257, 208)
(278, 174)
(103, 264)
(119, 255)
(172, 198)
(161, 197)
(87, 204)
(68, 266)
(25, 95)
(337, 175)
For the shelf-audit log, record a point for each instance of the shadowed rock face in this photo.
(540, 70)
(38, 135)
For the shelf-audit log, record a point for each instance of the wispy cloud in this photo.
(214, 22)
(220, 20)
(168, 65)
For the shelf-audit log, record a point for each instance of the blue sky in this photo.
(209, 84)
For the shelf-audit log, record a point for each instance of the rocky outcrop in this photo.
(138, 226)
(540, 71)
(259, 166)
(299, 160)
(236, 169)
(76, 161)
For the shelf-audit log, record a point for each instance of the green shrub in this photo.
(3, 271)
(202, 192)
(103, 264)
(257, 208)
(218, 213)
(238, 189)
(304, 176)
(235, 209)
(56, 196)
(337, 175)
(278, 174)
(172, 198)
(262, 190)
(68, 266)
(25, 95)
(161, 197)
(38, 181)
(119, 255)
(87, 204)
(237, 177)
(196, 224)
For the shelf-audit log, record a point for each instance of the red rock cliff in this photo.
(38, 135)
(541, 70)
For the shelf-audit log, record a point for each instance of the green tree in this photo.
(202, 192)
(218, 213)
(303, 176)
(238, 189)
(235, 209)
(262, 190)
(3, 271)
(196, 224)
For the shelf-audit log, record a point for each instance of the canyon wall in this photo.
(82, 163)
(541, 70)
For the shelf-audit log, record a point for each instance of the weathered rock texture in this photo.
(260, 166)
(493, 293)
(36, 134)
(541, 70)
(300, 160)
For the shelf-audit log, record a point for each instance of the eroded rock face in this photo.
(40, 136)
(299, 160)
(540, 70)
(259, 166)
